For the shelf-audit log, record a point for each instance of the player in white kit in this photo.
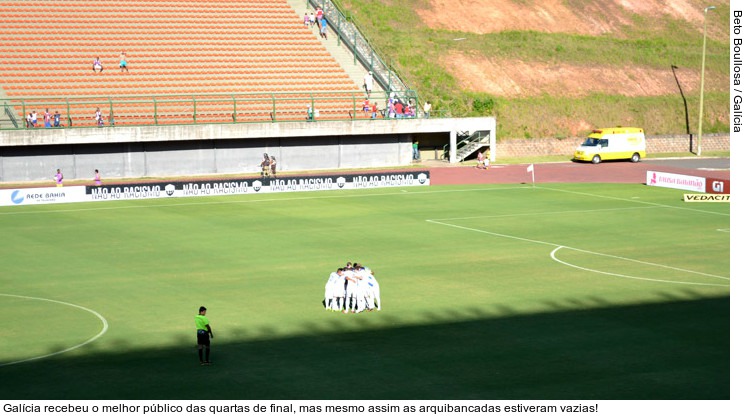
(362, 292)
(339, 290)
(330, 289)
(374, 290)
(351, 289)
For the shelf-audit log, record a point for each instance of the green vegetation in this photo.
(564, 158)
(632, 304)
(550, 116)
(654, 43)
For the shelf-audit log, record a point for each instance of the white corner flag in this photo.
(531, 169)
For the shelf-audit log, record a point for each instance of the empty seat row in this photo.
(234, 48)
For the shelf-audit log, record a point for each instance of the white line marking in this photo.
(585, 251)
(554, 257)
(561, 212)
(633, 200)
(100, 317)
(493, 233)
(645, 262)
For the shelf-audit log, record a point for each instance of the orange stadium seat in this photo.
(231, 47)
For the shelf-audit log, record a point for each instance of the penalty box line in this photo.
(559, 246)
(635, 201)
(554, 256)
(545, 213)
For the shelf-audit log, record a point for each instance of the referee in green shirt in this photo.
(203, 334)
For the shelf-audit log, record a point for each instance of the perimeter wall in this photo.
(233, 148)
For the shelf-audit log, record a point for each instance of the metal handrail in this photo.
(9, 113)
(158, 109)
(470, 139)
(360, 47)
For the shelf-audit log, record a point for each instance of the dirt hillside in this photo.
(512, 78)
(593, 17)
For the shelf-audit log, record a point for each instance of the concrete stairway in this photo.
(338, 50)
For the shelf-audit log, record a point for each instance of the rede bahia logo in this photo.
(17, 197)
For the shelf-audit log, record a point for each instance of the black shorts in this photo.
(202, 337)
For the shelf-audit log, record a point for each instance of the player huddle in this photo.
(352, 288)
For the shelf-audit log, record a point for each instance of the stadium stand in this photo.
(207, 61)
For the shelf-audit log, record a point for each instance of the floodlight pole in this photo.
(702, 83)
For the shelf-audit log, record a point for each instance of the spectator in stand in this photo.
(324, 29)
(97, 66)
(47, 119)
(310, 113)
(365, 107)
(374, 110)
(410, 110)
(319, 15)
(306, 20)
(98, 117)
(31, 119)
(398, 106)
(369, 82)
(427, 109)
(312, 20)
(123, 62)
(56, 118)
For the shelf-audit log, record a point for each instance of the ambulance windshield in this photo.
(590, 142)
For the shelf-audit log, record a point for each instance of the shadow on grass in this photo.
(672, 350)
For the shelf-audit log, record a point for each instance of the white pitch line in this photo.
(646, 262)
(100, 317)
(544, 213)
(634, 201)
(558, 246)
(493, 233)
(554, 257)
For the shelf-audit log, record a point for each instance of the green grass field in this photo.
(562, 291)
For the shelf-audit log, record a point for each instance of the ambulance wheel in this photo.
(635, 158)
(596, 159)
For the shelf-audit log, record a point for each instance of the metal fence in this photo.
(84, 111)
(360, 47)
(230, 108)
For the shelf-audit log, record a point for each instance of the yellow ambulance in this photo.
(612, 144)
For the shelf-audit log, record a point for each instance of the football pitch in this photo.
(563, 291)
